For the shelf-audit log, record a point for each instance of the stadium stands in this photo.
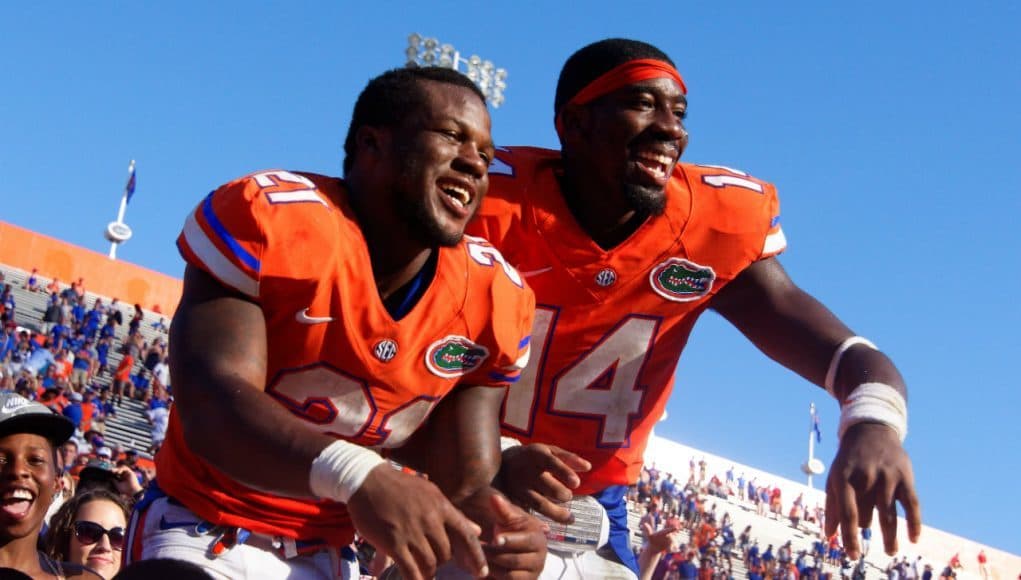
(130, 429)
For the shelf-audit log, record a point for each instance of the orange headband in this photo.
(622, 75)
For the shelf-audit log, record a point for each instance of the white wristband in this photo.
(874, 403)
(831, 373)
(508, 442)
(340, 469)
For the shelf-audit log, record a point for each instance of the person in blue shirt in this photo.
(687, 569)
(102, 355)
(82, 367)
(73, 411)
(78, 311)
(38, 361)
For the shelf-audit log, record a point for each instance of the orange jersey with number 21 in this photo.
(336, 357)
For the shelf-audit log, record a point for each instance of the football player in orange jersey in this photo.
(625, 247)
(324, 318)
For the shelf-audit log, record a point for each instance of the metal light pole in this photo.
(429, 52)
(813, 466)
(117, 232)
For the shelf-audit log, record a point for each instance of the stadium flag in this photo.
(815, 425)
(129, 189)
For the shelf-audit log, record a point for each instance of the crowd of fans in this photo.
(685, 535)
(65, 364)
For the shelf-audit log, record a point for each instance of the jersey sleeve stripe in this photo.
(522, 361)
(775, 243)
(304, 195)
(505, 377)
(214, 262)
(221, 232)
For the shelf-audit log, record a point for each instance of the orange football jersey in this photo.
(610, 325)
(336, 357)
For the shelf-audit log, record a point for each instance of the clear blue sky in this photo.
(891, 129)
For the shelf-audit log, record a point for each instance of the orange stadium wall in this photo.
(131, 284)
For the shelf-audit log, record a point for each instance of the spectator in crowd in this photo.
(744, 541)
(866, 540)
(68, 455)
(78, 286)
(53, 287)
(122, 384)
(8, 306)
(103, 354)
(32, 282)
(114, 313)
(101, 473)
(136, 320)
(90, 530)
(159, 417)
(29, 437)
(161, 377)
(426, 145)
(73, 410)
(88, 410)
(51, 317)
(85, 363)
(105, 411)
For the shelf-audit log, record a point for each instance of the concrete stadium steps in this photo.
(130, 428)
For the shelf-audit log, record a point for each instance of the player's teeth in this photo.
(458, 194)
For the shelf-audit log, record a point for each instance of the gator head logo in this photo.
(454, 356)
(681, 281)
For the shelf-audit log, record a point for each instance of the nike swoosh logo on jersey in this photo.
(531, 273)
(165, 525)
(303, 317)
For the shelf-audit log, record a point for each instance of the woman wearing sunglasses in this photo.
(89, 530)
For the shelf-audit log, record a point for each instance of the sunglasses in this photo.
(89, 533)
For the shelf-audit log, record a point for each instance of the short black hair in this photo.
(595, 60)
(389, 98)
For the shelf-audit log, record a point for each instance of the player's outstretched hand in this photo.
(666, 540)
(517, 549)
(409, 518)
(871, 470)
(540, 477)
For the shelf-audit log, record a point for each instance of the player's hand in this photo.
(541, 477)
(871, 470)
(517, 549)
(666, 540)
(408, 518)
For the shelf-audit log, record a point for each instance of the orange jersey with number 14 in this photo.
(336, 358)
(610, 325)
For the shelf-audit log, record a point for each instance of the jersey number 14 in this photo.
(601, 385)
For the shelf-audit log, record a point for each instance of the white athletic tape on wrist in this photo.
(340, 469)
(874, 403)
(508, 442)
(831, 373)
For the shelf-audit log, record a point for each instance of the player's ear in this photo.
(370, 140)
(574, 121)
